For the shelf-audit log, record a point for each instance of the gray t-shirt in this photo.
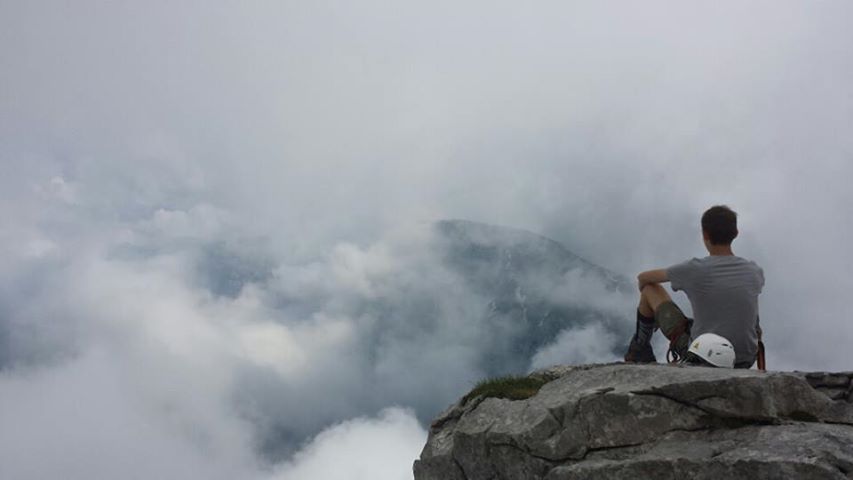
(723, 291)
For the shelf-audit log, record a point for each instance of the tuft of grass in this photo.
(512, 387)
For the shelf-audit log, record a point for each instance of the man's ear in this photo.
(737, 232)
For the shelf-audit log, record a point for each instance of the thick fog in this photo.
(201, 203)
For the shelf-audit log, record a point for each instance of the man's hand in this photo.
(651, 276)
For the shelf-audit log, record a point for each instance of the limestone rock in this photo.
(622, 421)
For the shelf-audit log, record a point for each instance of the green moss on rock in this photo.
(512, 387)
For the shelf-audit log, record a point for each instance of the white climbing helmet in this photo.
(714, 349)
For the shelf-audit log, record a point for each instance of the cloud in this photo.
(93, 418)
(148, 353)
(89, 419)
(381, 448)
(590, 344)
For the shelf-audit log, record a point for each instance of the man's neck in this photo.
(720, 250)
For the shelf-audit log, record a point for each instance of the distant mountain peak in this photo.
(534, 288)
(505, 244)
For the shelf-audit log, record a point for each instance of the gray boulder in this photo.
(622, 421)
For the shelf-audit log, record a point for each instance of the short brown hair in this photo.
(720, 223)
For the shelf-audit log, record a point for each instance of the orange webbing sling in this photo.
(762, 361)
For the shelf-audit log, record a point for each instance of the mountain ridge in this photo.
(534, 285)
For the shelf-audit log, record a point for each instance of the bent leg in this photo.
(651, 297)
(657, 310)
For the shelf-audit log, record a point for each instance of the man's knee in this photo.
(653, 295)
(651, 289)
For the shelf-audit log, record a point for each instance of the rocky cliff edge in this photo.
(622, 421)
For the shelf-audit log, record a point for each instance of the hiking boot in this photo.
(640, 352)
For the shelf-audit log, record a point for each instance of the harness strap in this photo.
(676, 333)
(762, 362)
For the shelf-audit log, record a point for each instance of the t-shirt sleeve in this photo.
(683, 275)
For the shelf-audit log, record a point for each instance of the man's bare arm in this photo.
(652, 276)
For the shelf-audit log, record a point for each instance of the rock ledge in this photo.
(621, 421)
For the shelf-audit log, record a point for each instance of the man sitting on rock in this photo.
(722, 288)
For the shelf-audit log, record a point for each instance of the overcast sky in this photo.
(142, 144)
